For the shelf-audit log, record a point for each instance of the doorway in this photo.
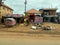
(32, 17)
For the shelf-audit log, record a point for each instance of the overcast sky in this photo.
(18, 5)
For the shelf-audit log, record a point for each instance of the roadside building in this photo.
(18, 17)
(49, 14)
(4, 10)
(31, 13)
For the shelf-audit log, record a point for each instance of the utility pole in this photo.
(0, 9)
(25, 6)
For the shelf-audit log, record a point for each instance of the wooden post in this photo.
(0, 10)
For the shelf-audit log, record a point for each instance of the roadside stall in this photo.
(18, 17)
(31, 14)
(6, 16)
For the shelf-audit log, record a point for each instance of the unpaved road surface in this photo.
(7, 38)
(29, 41)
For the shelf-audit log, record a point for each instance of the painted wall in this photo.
(4, 11)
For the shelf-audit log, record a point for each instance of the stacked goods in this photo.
(19, 18)
(10, 22)
(47, 28)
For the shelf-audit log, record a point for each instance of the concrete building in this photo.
(4, 9)
(49, 14)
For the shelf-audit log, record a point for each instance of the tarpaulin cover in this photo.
(10, 21)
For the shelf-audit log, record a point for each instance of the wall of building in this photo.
(4, 11)
(52, 12)
(49, 12)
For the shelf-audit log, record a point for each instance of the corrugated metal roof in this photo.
(33, 11)
(49, 9)
(17, 15)
(10, 19)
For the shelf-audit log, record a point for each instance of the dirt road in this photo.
(21, 41)
(7, 38)
(13, 36)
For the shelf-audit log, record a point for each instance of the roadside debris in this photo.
(46, 28)
(34, 27)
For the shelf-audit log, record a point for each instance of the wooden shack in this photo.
(18, 17)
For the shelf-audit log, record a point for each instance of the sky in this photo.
(19, 7)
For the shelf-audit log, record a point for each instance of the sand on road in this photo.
(29, 41)
(15, 39)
